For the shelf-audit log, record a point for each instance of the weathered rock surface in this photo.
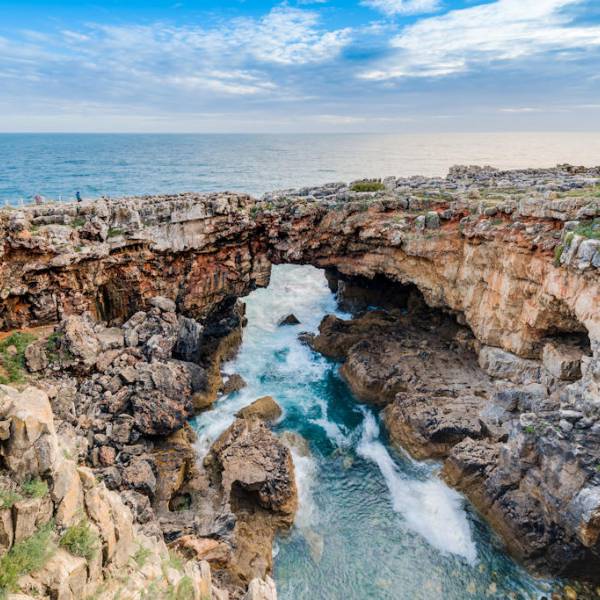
(264, 408)
(73, 496)
(255, 475)
(510, 254)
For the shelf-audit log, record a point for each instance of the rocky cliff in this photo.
(505, 263)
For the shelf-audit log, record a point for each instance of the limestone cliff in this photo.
(512, 256)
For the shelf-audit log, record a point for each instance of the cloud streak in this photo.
(506, 30)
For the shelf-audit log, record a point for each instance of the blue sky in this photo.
(299, 65)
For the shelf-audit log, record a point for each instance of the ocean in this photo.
(57, 165)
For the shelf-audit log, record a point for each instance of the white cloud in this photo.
(501, 31)
(403, 7)
(235, 58)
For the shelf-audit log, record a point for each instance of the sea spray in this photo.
(429, 508)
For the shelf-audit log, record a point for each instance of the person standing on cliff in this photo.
(78, 196)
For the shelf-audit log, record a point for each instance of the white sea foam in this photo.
(429, 508)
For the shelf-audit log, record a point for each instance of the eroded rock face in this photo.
(255, 475)
(519, 439)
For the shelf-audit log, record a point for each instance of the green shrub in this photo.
(35, 488)
(184, 590)
(78, 222)
(80, 540)
(8, 498)
(141, 556)
(367, 186)
(12, 356)
(590, 230)
(25, 557)
(558, 252)
(114, 232)
(54, 351)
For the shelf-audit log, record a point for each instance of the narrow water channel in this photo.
(373, 523)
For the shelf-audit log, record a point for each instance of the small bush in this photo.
(8, 498)
(35, 488)
(25, 557)
(590, 231)
(141, 556)
(558, 252)
(80, 540)
(114, 232)
(78, 222)
(529, 429)
(184, 590)
(13, 360)
(54, 351)
(367, 186)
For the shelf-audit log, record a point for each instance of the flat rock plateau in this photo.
(483, 353)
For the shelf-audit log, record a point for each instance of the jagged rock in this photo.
(429, 426)
(36, 358)
(255, 475)
(31, 448)
(29, 515)
(291, 319)
(189, 339)
(261, 590)
(264, 408)
(248, 455)
(65, 576)
(139, 476)
(79, 341)
(213, 551)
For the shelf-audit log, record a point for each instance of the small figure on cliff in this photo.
(38, 199)
(78, 196)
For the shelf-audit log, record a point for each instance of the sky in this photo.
(299, 66)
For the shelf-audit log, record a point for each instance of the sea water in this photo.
(58, 165)
(372, 524)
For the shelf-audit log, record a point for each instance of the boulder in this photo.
(234, 383)
(562, 361)
(264, 408)
(163, 304)
(247, 456)
(505, 365)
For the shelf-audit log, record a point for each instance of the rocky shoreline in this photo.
(484, 353)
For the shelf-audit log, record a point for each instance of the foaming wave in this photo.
(430, 508)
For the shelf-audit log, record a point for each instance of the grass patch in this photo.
(114, 232)
(367, 186)
(184, 590)
(12, 356)
(25, 557)
(80, 540)
(35, 488)
(591, 230)
(78, 222)
(558, 252)
(529, 429)
(141, 556)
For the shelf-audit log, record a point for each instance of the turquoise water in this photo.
(372, 524)
(57, 165)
